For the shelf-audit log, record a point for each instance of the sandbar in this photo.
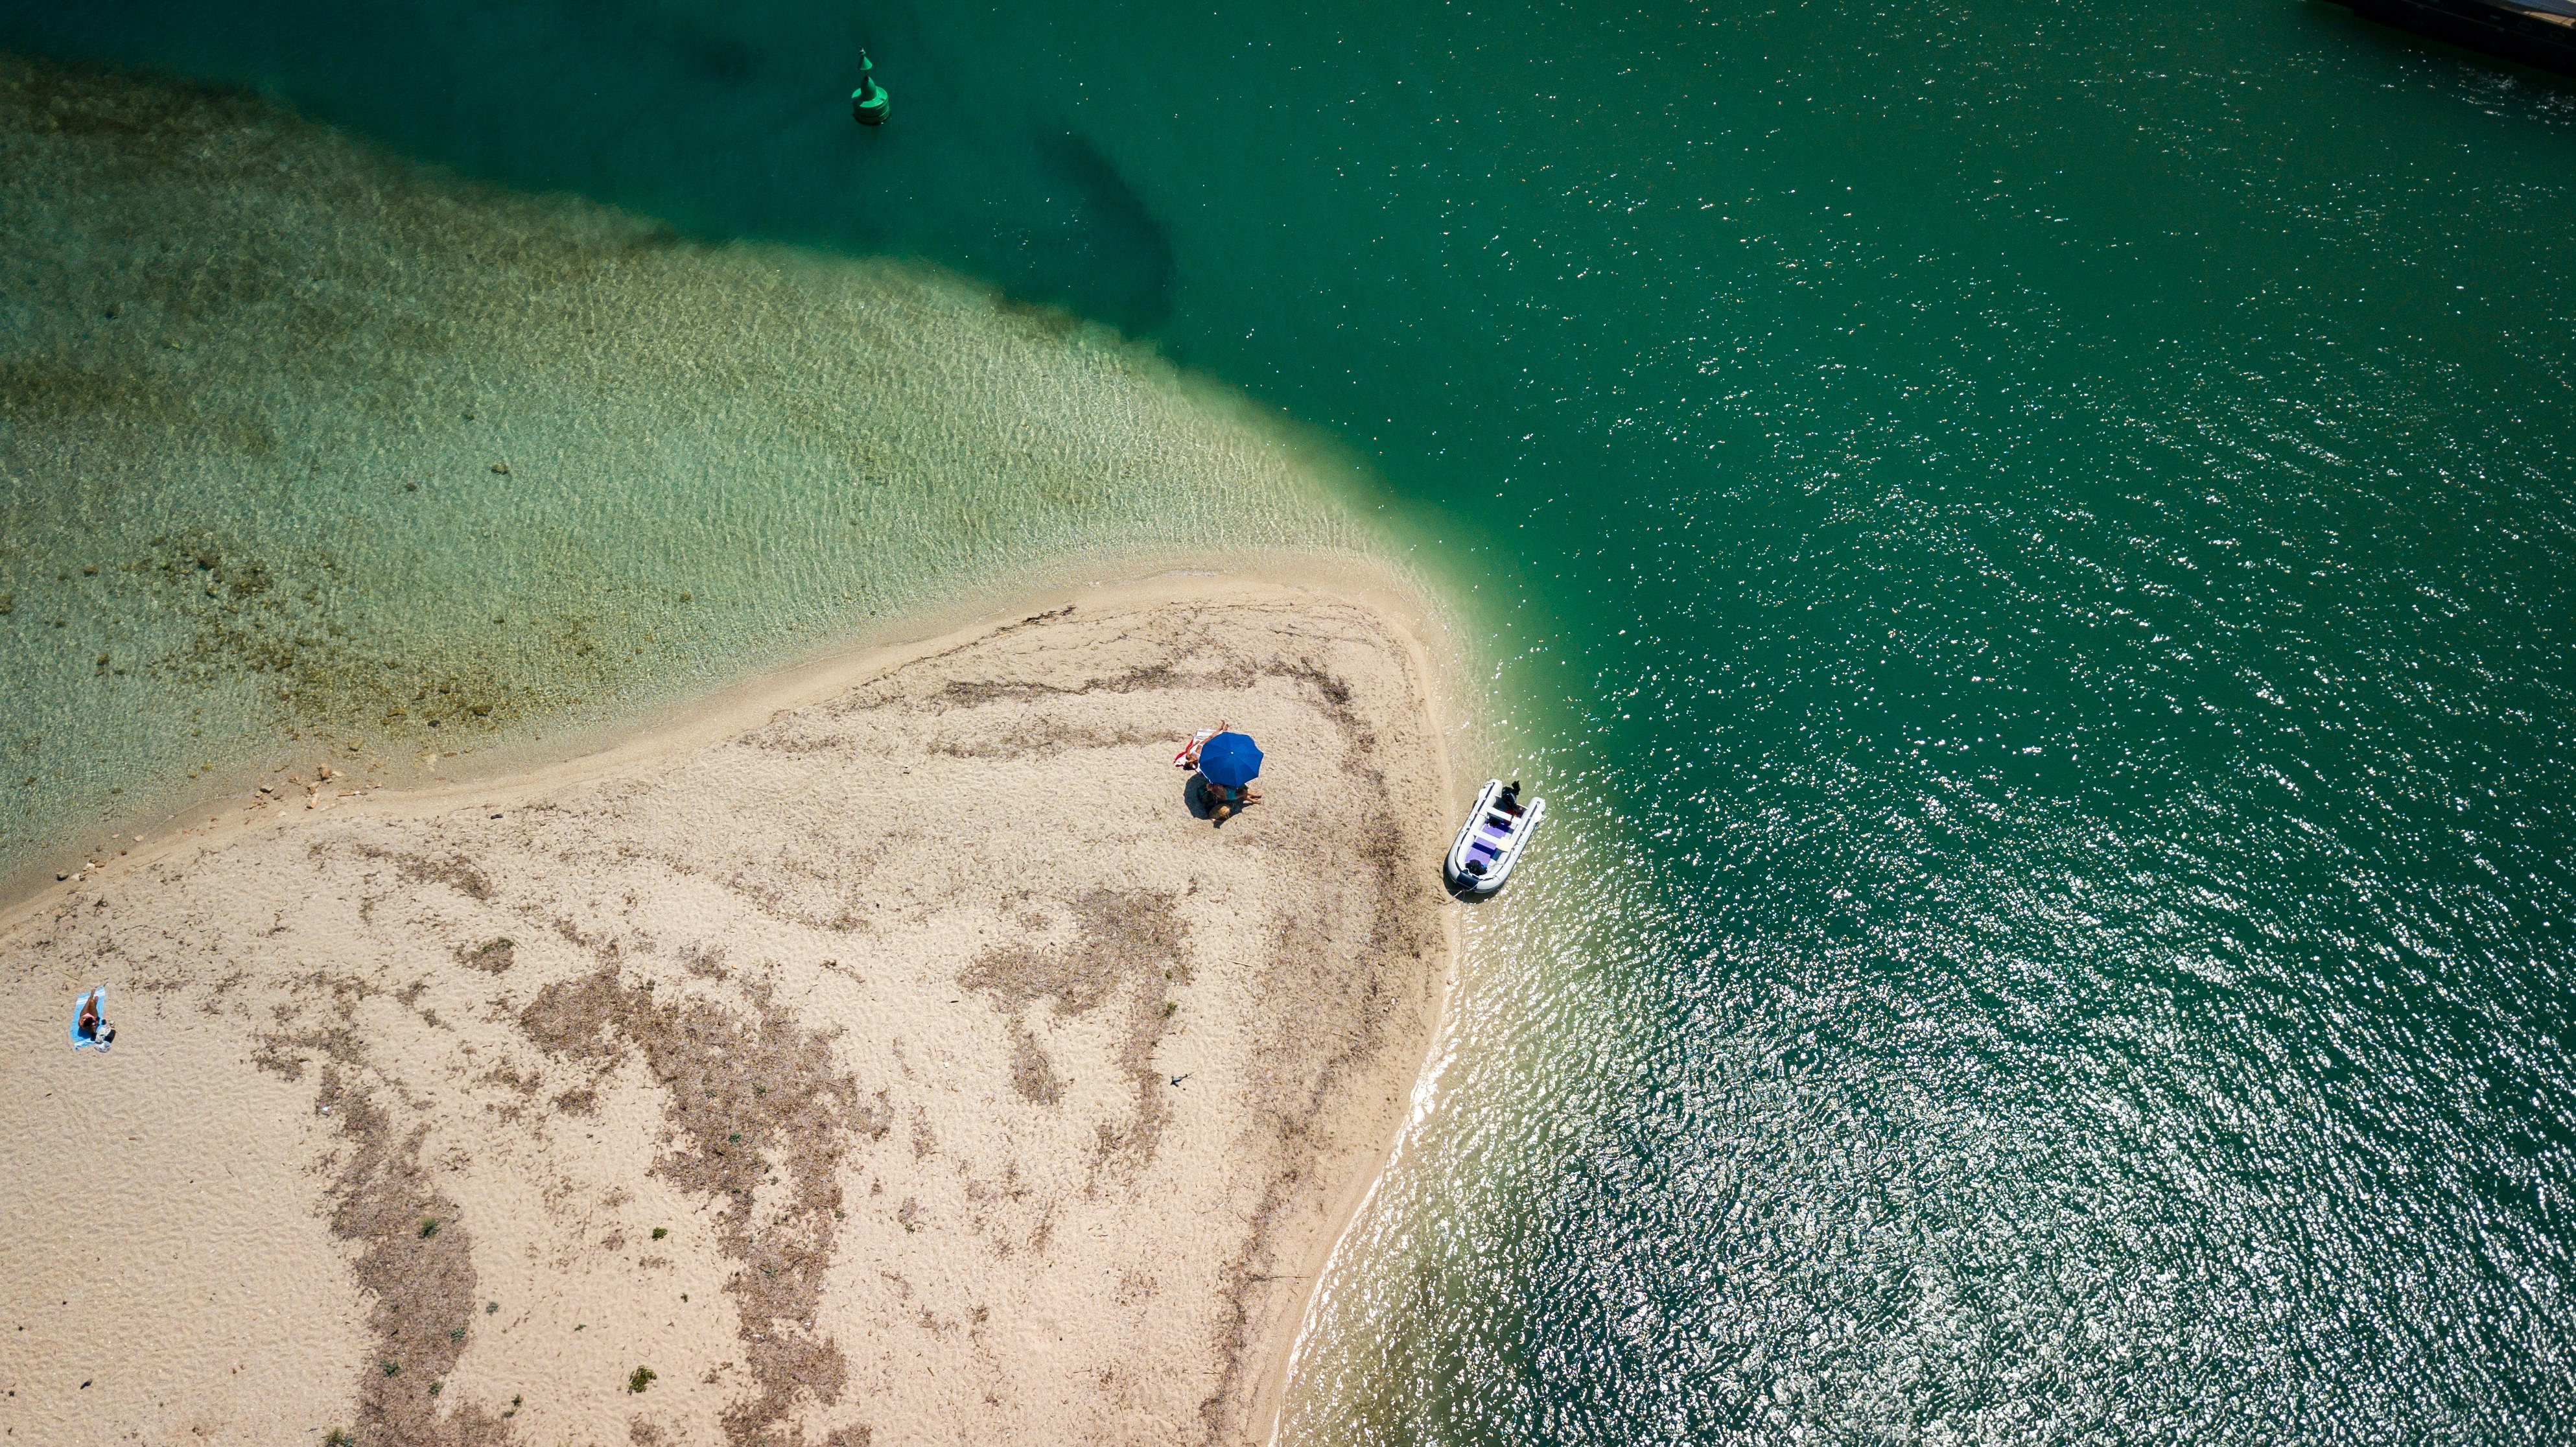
(894, 1055)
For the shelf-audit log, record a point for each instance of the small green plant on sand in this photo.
(336, 1437)
(661, 1231)
(428, 1227)
(490, 1307)
(392, 1367)
(639, 1379)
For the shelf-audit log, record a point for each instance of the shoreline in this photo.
(650, 725)
(1270, 1398)
(552, 461)
(1250, 1394)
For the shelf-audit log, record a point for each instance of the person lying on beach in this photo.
(1188, 757)
(92, 1026)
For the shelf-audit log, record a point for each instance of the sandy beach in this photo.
(889, 1055)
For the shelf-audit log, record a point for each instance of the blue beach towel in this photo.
(79, 1043)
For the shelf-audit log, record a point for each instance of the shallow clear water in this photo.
(309, 451)
(2028, 546)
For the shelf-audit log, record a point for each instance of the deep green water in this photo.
(2028, 545)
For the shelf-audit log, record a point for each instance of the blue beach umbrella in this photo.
(1231, 759)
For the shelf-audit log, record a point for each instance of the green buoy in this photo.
(869, 103)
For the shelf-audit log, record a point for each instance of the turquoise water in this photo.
(2028, 546)
(310, 451)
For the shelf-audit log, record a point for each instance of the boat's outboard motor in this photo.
(869, 104)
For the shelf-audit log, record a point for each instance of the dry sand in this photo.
(820, 1058)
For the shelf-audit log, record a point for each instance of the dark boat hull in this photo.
(2510, 32)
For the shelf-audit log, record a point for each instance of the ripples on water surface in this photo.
(2029, 548)
(308, 450)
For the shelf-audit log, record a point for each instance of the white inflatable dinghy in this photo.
(1493, 838)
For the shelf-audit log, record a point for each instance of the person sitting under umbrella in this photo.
(1227, 762)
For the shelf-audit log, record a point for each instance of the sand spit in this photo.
(904, 1065)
